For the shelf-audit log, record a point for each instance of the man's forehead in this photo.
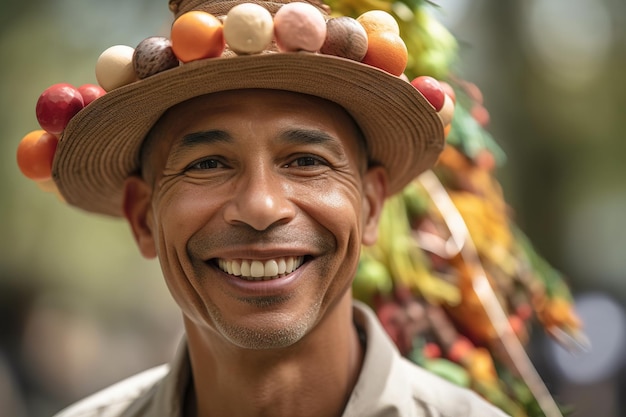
(236, 108)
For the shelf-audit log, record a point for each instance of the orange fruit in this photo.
(35, 154)
(387, 51)
(378, 21)
(197, 35)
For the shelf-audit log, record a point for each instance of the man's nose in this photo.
(260, 200)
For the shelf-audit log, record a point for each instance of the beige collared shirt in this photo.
(388, 386)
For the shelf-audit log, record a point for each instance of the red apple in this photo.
(431, 89)
(90, 92)
(56, 107)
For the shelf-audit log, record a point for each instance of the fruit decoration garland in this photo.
(373, 38)
(455, 283)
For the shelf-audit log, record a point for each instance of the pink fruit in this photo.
(56, 107)
(90, 92)
(431, 89)
(299, 26)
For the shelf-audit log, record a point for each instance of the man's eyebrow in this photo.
(204, 137)
(191, 140)
(312, 137)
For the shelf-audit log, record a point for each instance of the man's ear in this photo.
(375, 192)
(137, 209)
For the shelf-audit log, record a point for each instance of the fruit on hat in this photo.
(197, 35)
(153, 55)
(447, 111)
(431, 89)
(56, 106)
(248, 28)
(345, 37)
(387, 51)
(90, 92)
(35, 154)
(299, 26)
(385, 48)
(378, 21)
(114, 67)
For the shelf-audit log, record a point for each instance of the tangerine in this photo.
(35, 154)
(387, 51)
(197, 35)
(378, 21)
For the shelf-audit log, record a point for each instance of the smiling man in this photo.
(257, 203)
(255, 180)
(260, 202)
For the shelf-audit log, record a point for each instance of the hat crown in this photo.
(221, 7)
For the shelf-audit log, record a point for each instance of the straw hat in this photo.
(100, 146)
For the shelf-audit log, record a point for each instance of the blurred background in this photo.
(80, 308)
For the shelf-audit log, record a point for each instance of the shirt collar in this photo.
(372, 390)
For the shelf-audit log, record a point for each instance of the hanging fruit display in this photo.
(454, 281)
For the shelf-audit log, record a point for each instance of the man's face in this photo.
(256, 204)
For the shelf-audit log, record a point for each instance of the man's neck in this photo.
(314, 377)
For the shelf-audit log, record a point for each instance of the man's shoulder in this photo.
(114, 400)
(442, 397)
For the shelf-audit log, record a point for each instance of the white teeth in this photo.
(255, 270)
(245, 268)
(235, 267)
(271, 268)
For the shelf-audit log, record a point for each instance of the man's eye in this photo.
(206, 164)
(305, 161)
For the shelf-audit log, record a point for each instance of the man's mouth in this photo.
(257, 270)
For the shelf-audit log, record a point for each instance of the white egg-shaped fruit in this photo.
(114, 67)
(248, 29)
(447, 111)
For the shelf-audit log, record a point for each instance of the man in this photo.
(255, 180)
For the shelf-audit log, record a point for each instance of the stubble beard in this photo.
(266, 337)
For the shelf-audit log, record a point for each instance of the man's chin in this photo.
(267, 330)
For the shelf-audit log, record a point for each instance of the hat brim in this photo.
(99, 149)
